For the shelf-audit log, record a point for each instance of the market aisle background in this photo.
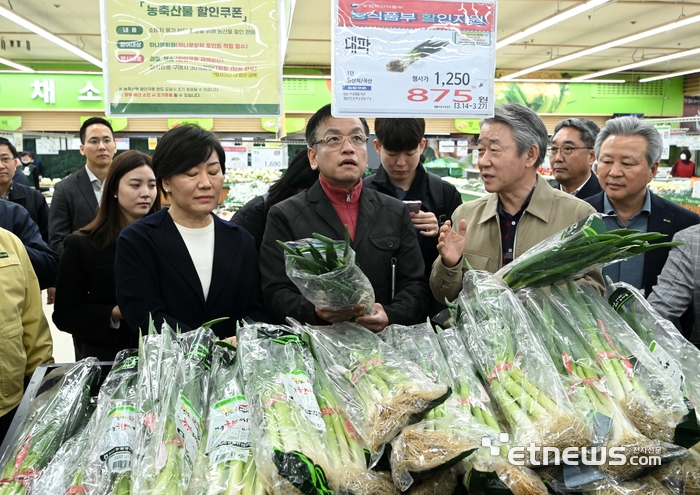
(62, 342)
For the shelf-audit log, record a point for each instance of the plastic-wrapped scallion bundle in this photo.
(55, 414)
(167, 465)
(644, 391)
(225, 465)
(682, 476)
(288, 433)
(517, 368)
(646, 485)
(588, 392)
(487, 474)
(159, 354)
(325, 272)
(108, 458)
(449, 432)
(673, 352)
(345, 446)
(380, 390)
(65, 473)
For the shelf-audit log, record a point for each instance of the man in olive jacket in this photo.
(520, 211)
(380, 227)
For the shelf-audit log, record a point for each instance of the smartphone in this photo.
(413, 206)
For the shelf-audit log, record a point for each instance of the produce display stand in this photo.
(35, 388)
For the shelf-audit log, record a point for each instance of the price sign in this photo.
(269, 158)
(414, 58)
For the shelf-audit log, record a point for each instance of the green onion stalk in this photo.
(346, 448)
(158, 357)
(517, 368)
(167, 467)
(419, 52)
(614, 345)
(578, 249)
(669, 347)
(54, 416)
(287, 430)
(325, 272)
(587, 386)
(106, 466)
(380, 390)
(225, 465)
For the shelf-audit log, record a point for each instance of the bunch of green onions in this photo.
(578, 249)
(380, 390)
(614, 345)
(225, 465)
(325, 272)
(287, 429)
(167, 466)
(423, 50)
(107, 462)
(516, 367)
(54, 416)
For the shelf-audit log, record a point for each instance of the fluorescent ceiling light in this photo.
(605, 46)
(17, 66)
(27, 24)
(686, 53)
(567, 14)
(667, 76)
(615, 81)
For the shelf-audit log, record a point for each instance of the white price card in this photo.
(269, 158)
(431, 58)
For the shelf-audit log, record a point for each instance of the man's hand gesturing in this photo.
(451, 244)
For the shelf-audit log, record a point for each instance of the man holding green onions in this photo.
(520, 211)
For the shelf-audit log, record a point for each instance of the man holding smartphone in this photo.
(430, 200)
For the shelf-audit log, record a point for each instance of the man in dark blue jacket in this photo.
(45, 262)
(628, 152)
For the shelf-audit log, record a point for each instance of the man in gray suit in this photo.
(75, 199)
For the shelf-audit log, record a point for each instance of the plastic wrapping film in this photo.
(225, 463)
(288, 432)
(168, 461)
(444, 482)
(450, 431)
(381, 391)
(517, 368)
(576, 250)
(346, 448)
(681, 476)
(672, 351)
(646, 485)
(643, 389)
(108, 451)
(54, 415)
(345, 285)
(159, 354)
(65, 473)
(587, 388)
(493, 475)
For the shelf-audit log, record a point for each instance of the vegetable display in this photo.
(325, 272)
(577, 249)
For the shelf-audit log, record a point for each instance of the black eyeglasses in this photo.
(565, 150)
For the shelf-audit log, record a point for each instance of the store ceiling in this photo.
(78, 22)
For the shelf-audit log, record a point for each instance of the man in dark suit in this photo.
(628, 151)
(75, 199)
(31, 199)
(572, 156)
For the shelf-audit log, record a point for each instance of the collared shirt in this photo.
(575, 192)
(8, 197)
(632, 269)
(96, 184)
(509, 225)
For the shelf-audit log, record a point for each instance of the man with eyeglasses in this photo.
(520, 211)
(571, 157)
(76, 198)
(628, 151)
(380, 227)
(28, 197)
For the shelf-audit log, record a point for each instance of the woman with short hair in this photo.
(184, 265)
